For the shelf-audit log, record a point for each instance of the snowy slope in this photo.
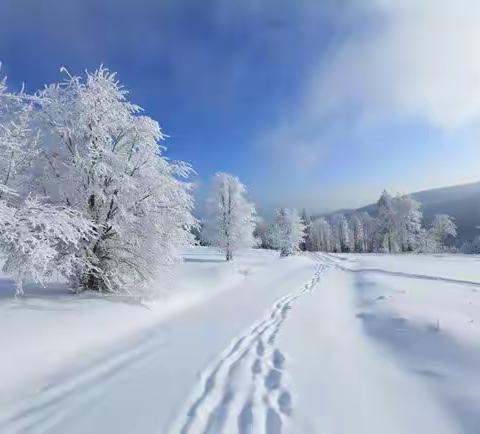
(333, 344)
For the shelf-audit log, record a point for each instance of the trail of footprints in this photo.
(246, 391)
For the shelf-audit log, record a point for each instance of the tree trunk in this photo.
(92, 282)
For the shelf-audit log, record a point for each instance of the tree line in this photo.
(397, 226)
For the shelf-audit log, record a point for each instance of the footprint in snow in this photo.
(285, 403)
(278, 359)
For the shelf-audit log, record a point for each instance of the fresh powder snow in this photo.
(313, 343)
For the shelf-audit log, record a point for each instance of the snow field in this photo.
(137, 381)
(320, 343)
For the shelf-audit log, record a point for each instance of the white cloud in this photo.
(421, 62)
(403, 60)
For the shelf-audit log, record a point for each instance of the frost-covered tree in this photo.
(441, 230)
(261, 233)
(231, 218)
(408, 217)
(305, 244)
(399, 223)
(471, 247)
(18, 139)
(100, 159)
(38, 241)
(387, 223)
(341, 233)
(287, 231)
(358, 233)
(320, 235)
(370, 231)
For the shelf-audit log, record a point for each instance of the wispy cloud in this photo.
(411, 61)
(422, 61)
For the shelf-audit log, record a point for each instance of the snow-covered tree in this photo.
(471, 247)
(358, 233)
(305, 244)
(408, 217)
(370, 231)
(320, 235)
(261, 233)
(399, 223)
(231, 219)
(340, 232)
(441, 230)
(38, 241)
(98, 159)
(287, 231)
(18, 139)
(387, 223)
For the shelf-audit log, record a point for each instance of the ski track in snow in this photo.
(245, 391)
(336, 261)
(44, 410)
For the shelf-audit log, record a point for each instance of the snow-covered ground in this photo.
(311, 344)
(424, 311)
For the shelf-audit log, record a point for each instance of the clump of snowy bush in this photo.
(86, 190)
(231, 218)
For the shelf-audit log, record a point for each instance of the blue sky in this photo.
(311, 103)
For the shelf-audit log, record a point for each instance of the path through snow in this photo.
(245, 391)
